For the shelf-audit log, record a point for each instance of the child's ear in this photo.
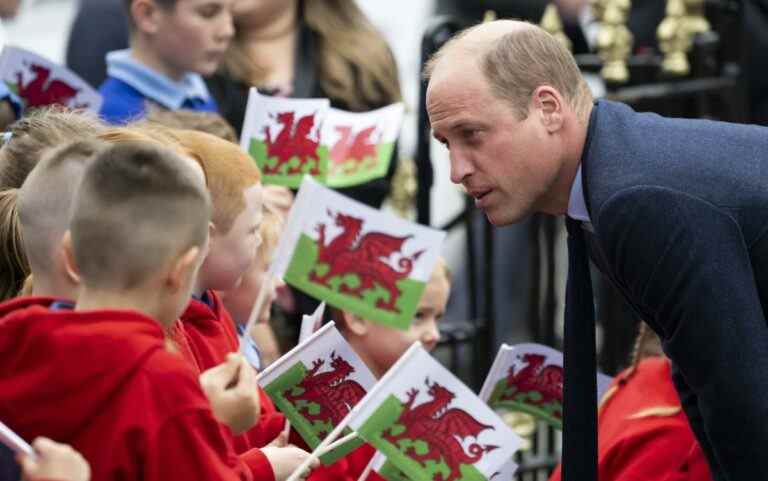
(183, 268)
(145, 14)
(68, 258)
(356, 325)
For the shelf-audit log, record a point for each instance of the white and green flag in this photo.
(529, 378)
(316, 384)
(283, 136)
(290, 138)
(354, 257)
(39, 82)
(310, 323)
(430, 426)
(360, 144)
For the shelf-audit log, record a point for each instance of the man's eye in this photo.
(209, 11)
(470, 134)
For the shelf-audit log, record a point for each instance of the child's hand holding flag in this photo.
(231, 390)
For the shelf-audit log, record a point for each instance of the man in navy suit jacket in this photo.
(674, 211)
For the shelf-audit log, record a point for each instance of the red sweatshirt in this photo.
(103, 382)
(17, 303)
(211, 334)
(634, 444)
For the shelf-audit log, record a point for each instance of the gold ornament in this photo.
(614, 41)
(695, 21)
(524, 425)
(402, 197)
(552, 24)
(675, 40)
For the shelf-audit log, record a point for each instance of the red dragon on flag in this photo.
(293, 140)
(538, 378)
(332, 391)
(365, 256)
(441, 428)
(41, 90)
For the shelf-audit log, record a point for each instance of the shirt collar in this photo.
(153, 85)
(577, 204)
(577, 207)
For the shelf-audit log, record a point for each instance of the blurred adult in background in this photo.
(100, 26)
(10, 105)
(317, 48)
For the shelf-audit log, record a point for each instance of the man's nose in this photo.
(461, 167)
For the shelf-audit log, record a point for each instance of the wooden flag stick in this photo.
(367, 470)
(297, 474)
(14, 441)
(258, 305)
(349, 437)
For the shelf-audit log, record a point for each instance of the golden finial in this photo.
(402, 197)
(551, 23)
(598, 9)
(489, 16)
(614, 41)
(695, 21)
(523, 424)
(674, 40)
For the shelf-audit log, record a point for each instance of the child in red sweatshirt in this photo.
(234, 183)
(100, 377)
(642, 430)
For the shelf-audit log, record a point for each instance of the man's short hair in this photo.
(522, 60)
(230, 172)
(38, 131)
(138, 207)
(45, 199)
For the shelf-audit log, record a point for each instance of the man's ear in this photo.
(146, 16)
(183, 268)
(356, 325)
(67, 256)
(548, 103)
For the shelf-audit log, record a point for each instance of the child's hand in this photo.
(232, 391)
(54, 461)
(286, 460)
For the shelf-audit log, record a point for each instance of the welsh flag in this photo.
(38, 82)
(389, 471)
(316, 384)
(356, 258)
(361, 144)
(430, 426)
(311, 322)
(529, 378)
(290, 138)
(283, 136)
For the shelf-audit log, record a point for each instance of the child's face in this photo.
(384, 345)
(239, 301)
(194, 35)
(232, 253)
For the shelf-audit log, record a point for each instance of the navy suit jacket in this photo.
(679, 212)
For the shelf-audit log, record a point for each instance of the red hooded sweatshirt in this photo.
(640, 436)
(104, 382)
(211, 333)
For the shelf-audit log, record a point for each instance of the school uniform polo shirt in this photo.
(131, 87)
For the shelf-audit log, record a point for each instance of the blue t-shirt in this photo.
(130, 86)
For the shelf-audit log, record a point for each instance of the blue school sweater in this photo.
(131, 87)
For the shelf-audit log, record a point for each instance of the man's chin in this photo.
(499, 217)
